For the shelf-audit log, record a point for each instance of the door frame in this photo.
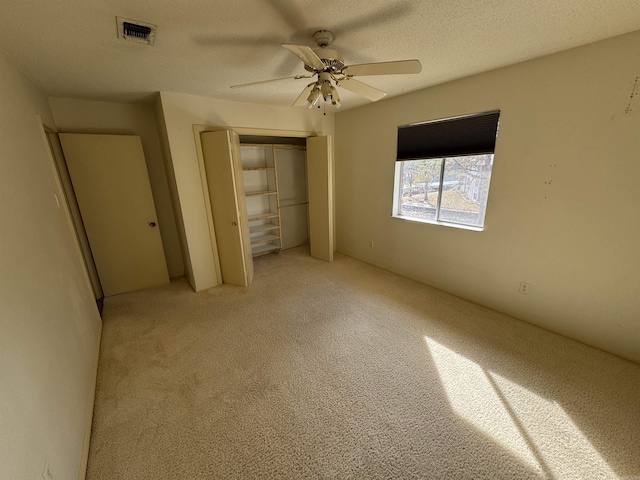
(61, 170)
(197, 130)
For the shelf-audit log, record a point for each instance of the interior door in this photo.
(111, 185)
(221, 153)
(320, 190)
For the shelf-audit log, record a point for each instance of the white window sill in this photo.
(442, 224)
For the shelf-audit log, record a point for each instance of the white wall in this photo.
(49, 323)
(180, 112)
(563, 210)
(84, 116)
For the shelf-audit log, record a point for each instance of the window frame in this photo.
(398, 194)
(398, 187)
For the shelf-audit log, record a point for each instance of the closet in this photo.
(275, 183)
(264, 197)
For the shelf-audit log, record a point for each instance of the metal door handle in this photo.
(152, 224)
(234, 223)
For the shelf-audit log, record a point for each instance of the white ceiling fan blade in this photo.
(269, 81)
(305, 54)
(384, 68)
(360, 88)
(302, 98)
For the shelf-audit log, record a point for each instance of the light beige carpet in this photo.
(344, 370)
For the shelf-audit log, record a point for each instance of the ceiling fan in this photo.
(327, 67)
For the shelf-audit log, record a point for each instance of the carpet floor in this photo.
(344, 370)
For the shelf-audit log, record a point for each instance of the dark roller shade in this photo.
(453, 137)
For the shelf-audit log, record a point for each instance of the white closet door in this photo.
(228, 206)
(111, 185)
(320, 197)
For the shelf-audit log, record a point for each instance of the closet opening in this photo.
(275, 184)
(266, 192)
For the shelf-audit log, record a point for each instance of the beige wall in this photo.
(84, 116)
(180, 112)
(563, 210)
(49, 323)
(173, 191)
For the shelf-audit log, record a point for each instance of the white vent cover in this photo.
(136, 31)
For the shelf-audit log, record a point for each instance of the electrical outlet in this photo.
(46, 473)
(370, 243)
(524, 288)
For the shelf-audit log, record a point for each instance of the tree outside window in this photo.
(451, 190)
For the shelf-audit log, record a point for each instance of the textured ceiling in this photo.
(70, 48)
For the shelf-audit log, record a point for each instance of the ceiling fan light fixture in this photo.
(326, 88)
(335, 98)
(314, 96)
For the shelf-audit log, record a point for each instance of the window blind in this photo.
(452, 137)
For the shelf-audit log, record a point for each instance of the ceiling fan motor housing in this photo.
(323, 38)
(331, 58)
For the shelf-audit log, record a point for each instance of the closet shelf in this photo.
(267, 237)
(264, 227)
(289, 202)
(266, 248)
(262, 216)
(255, 194)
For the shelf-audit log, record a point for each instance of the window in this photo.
(443, 170)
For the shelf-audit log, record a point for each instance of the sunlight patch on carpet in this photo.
(472, 396)
(564, 447)
(535, 429)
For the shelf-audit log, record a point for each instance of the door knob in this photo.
(152, 224)
(234, 223)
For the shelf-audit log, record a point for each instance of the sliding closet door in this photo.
(320, 197)
(226, 193)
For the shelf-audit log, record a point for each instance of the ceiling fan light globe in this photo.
(335, 98)
(313, 96)
(326, 89)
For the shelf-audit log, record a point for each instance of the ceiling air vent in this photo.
(135, 31)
